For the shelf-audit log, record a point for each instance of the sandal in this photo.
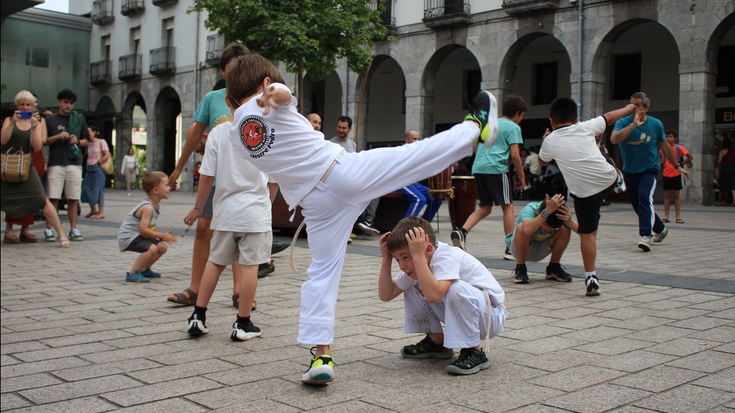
(679, 221)
(183, 299)
(64, 242)
(91, 214)
(96, 216)
(28, 238)
(236, 304)
(11, 240)
(666, 221)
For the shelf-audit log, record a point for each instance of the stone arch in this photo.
(124, 130)
(383, 118)
(164, 136)
(324, 95)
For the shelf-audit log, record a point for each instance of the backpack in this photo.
(679, 157)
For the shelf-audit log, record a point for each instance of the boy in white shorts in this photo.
(332, 187)
(441, 284)
(242, 229)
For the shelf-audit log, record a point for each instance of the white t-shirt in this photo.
(129, 161)
(533, 165)
(585, 170)
(241, 201)
(284, 145)
(450, 263)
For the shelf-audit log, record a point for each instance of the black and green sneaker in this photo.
(427, 348)
(321, 370)
(470, 361)
(485, 112)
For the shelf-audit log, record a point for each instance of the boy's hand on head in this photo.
(384, 246)
(418, 240)
(169, 238)
(564, 213)
(267, 100)
(553, 203)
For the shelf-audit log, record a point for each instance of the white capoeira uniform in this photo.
(464, 309)
(333, 188)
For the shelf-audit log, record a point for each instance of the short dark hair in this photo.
(345, 119)
(563, 110)
(93, 128)
(671, 132)
(553, 220)
(397, 237)
(151, 180)
(514, 104)
(232, 51)
(67, 94)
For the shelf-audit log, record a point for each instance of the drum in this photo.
(440, 186)
(464, 201)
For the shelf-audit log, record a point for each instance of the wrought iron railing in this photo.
(132, 7)
(163, 60)
(103, 11)
(441, 8)
(215, 45)
(99, 72)
(130, 66)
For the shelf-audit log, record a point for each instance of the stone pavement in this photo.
(77, 338)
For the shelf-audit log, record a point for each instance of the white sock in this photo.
(588, 274)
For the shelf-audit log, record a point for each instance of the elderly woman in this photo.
(93, 188)
(19, 199)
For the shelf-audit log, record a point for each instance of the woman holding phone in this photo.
(24, 133)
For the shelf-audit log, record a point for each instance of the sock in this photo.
(554, 265)
(464, 231)
(588, 274)
(200, 313)
(520, 266)
(243, 321)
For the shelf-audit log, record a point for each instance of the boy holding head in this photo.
(589, 177)
(332, 186)
(441, 284)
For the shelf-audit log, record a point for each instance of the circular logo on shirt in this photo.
(255, 136)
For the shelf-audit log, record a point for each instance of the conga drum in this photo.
(440, 185)
(464, 201)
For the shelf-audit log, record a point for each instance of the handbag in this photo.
(15, 167)
(107, 167)
(73, 152)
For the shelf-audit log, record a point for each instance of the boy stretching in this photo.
(589, 177)
(441, 284)
(138, 231)
(332, 186)
(241, 221)
(542, 228)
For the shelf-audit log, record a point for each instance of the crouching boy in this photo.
(542, 228)
(441, 284)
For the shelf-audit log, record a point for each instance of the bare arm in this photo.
(205, 185)
(193, 137)
(621, 135)
(669, 153)
(387, 288)
(273, 98)
(688, 159)
(529, 226)
(8, 128)
(36, 135)
(105, 157)
(515, 156)
(434, 290)
(615, 115)
(272, 190)
(146, 212)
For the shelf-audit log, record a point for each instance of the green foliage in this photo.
(314, 33)
(141, 155)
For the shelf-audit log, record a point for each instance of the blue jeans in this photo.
(641, 187)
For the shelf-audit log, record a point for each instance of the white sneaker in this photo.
(591, 285)
(196, 326)
(645, 243)
(658, 239)
(130, 193)
(48, 235)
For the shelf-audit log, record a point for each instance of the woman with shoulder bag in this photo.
(93, 187)
(20, 185)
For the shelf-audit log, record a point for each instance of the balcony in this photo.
(519, 7)
(444, 14)
(102, 12)
(132, 7)
(130, 67)
(100, 72)
(163, 61)
(387, 16)
(161, 3)
(215, 45)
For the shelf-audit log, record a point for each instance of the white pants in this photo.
(463, 310)
(332, 207)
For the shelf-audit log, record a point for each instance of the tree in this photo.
(307, 35)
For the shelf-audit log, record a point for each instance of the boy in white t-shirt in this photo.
(441, 284)
(589, 177)
(332, 186)
(241, 223)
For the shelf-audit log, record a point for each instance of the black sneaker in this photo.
(367, 228)
(485, 112)
(520, 275)
(470, 361)
(427, 348)
(507, 255)
(276, 248)
(197, 326)
(459, 239)
(244, 332)
(264, 269)
(558, 273)
(593, 288)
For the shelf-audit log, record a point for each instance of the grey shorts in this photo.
(247, 248)
(537, 251)
(208, 209)
(141, 244)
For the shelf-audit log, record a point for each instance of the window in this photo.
(626, 76)
(37, 57)
(472, 80)
(544, 83)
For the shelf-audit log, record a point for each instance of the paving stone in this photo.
(264, 406)
(105, 369)
(42, 366)
(576, 378)
(504, 398)
(658, 379)
(159, 391)
(68, 351)
(13, 384)
(683, 346)
(85, 404)
(244, 393)
(79, 389)
(165, 406)
(706, 361)
(312, 398)
(11, 401)
(685, 399)
(596, 399)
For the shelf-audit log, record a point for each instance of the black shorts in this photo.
(141, 244)
(208, 208)
(673, 183)
(493, 189)
(588, 210)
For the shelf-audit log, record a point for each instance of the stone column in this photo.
(420, 111)
(696, 127)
